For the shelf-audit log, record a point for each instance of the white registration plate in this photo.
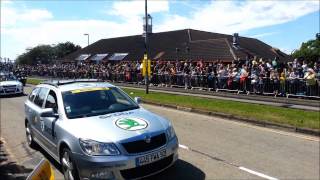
(147, 159)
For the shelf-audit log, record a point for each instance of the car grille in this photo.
(142, 146)
(10, 87)
(146, 169)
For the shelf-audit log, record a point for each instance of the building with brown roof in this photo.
(181, 44)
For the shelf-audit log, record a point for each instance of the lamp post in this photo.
(146, 44)
(188, 53)
(177, 52)
(88, 37)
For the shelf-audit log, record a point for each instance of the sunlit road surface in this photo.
(210, 147)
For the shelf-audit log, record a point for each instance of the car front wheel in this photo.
(68, 166)
(29, 136)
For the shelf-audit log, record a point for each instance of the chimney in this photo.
(235, 39)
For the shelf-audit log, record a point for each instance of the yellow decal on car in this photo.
(89, 89)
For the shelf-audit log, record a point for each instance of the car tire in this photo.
(69, 169)
(30, 140)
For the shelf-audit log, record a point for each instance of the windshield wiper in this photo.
(82, 115)
(98, 113)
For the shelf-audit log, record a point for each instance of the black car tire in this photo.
(30, 140)
(69, 169)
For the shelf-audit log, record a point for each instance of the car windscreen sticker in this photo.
(131, 124)
(89, 89)
(68, 109)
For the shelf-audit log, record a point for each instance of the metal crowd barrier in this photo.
(265, 86)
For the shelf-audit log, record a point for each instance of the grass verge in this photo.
(286, 116)
(33, 81)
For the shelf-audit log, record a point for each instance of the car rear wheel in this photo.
(68, 166)
(29, 137)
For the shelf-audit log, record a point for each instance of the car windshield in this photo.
(7, 77)
(88, 102)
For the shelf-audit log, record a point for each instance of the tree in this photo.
(63, 49)
(45, 54)
(39, 54)
(309, 51)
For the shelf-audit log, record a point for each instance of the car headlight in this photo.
(95, 148)
(170, 132)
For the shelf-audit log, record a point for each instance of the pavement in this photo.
(210, 148)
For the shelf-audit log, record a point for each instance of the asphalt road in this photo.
(210, 147)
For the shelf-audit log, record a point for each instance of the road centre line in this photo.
(257, 173)
(183, 147)
(231, 164)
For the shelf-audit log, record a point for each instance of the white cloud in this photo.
(229, 17)
(39, 26)
(22, 28)
(12, 17)
(53, 32)
(263, 34)
(6, 1)
(136, 8)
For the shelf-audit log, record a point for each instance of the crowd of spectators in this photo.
(247, 76)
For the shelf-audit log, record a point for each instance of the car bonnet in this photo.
(116, 127)
(6, 83)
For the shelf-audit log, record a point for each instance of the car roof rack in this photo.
(57, 83)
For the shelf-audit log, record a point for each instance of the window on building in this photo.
(118, 56)
(98, 57)
(83, 57)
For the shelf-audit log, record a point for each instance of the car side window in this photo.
(51, 101)
(33, 94)
(38, 100)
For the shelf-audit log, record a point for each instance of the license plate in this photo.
(147, 159)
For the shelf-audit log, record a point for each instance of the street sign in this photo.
(43, 171)
(146, 61)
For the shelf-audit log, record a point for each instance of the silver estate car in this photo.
(96, 131)
(9, 85)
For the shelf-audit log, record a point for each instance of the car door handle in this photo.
(42, 124)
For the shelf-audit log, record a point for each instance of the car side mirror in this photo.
(49, 113)
(137, 100)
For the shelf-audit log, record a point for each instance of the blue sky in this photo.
(25, 24)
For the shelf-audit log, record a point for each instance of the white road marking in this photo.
(257, 173)
(240, 167)
(183, 147)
